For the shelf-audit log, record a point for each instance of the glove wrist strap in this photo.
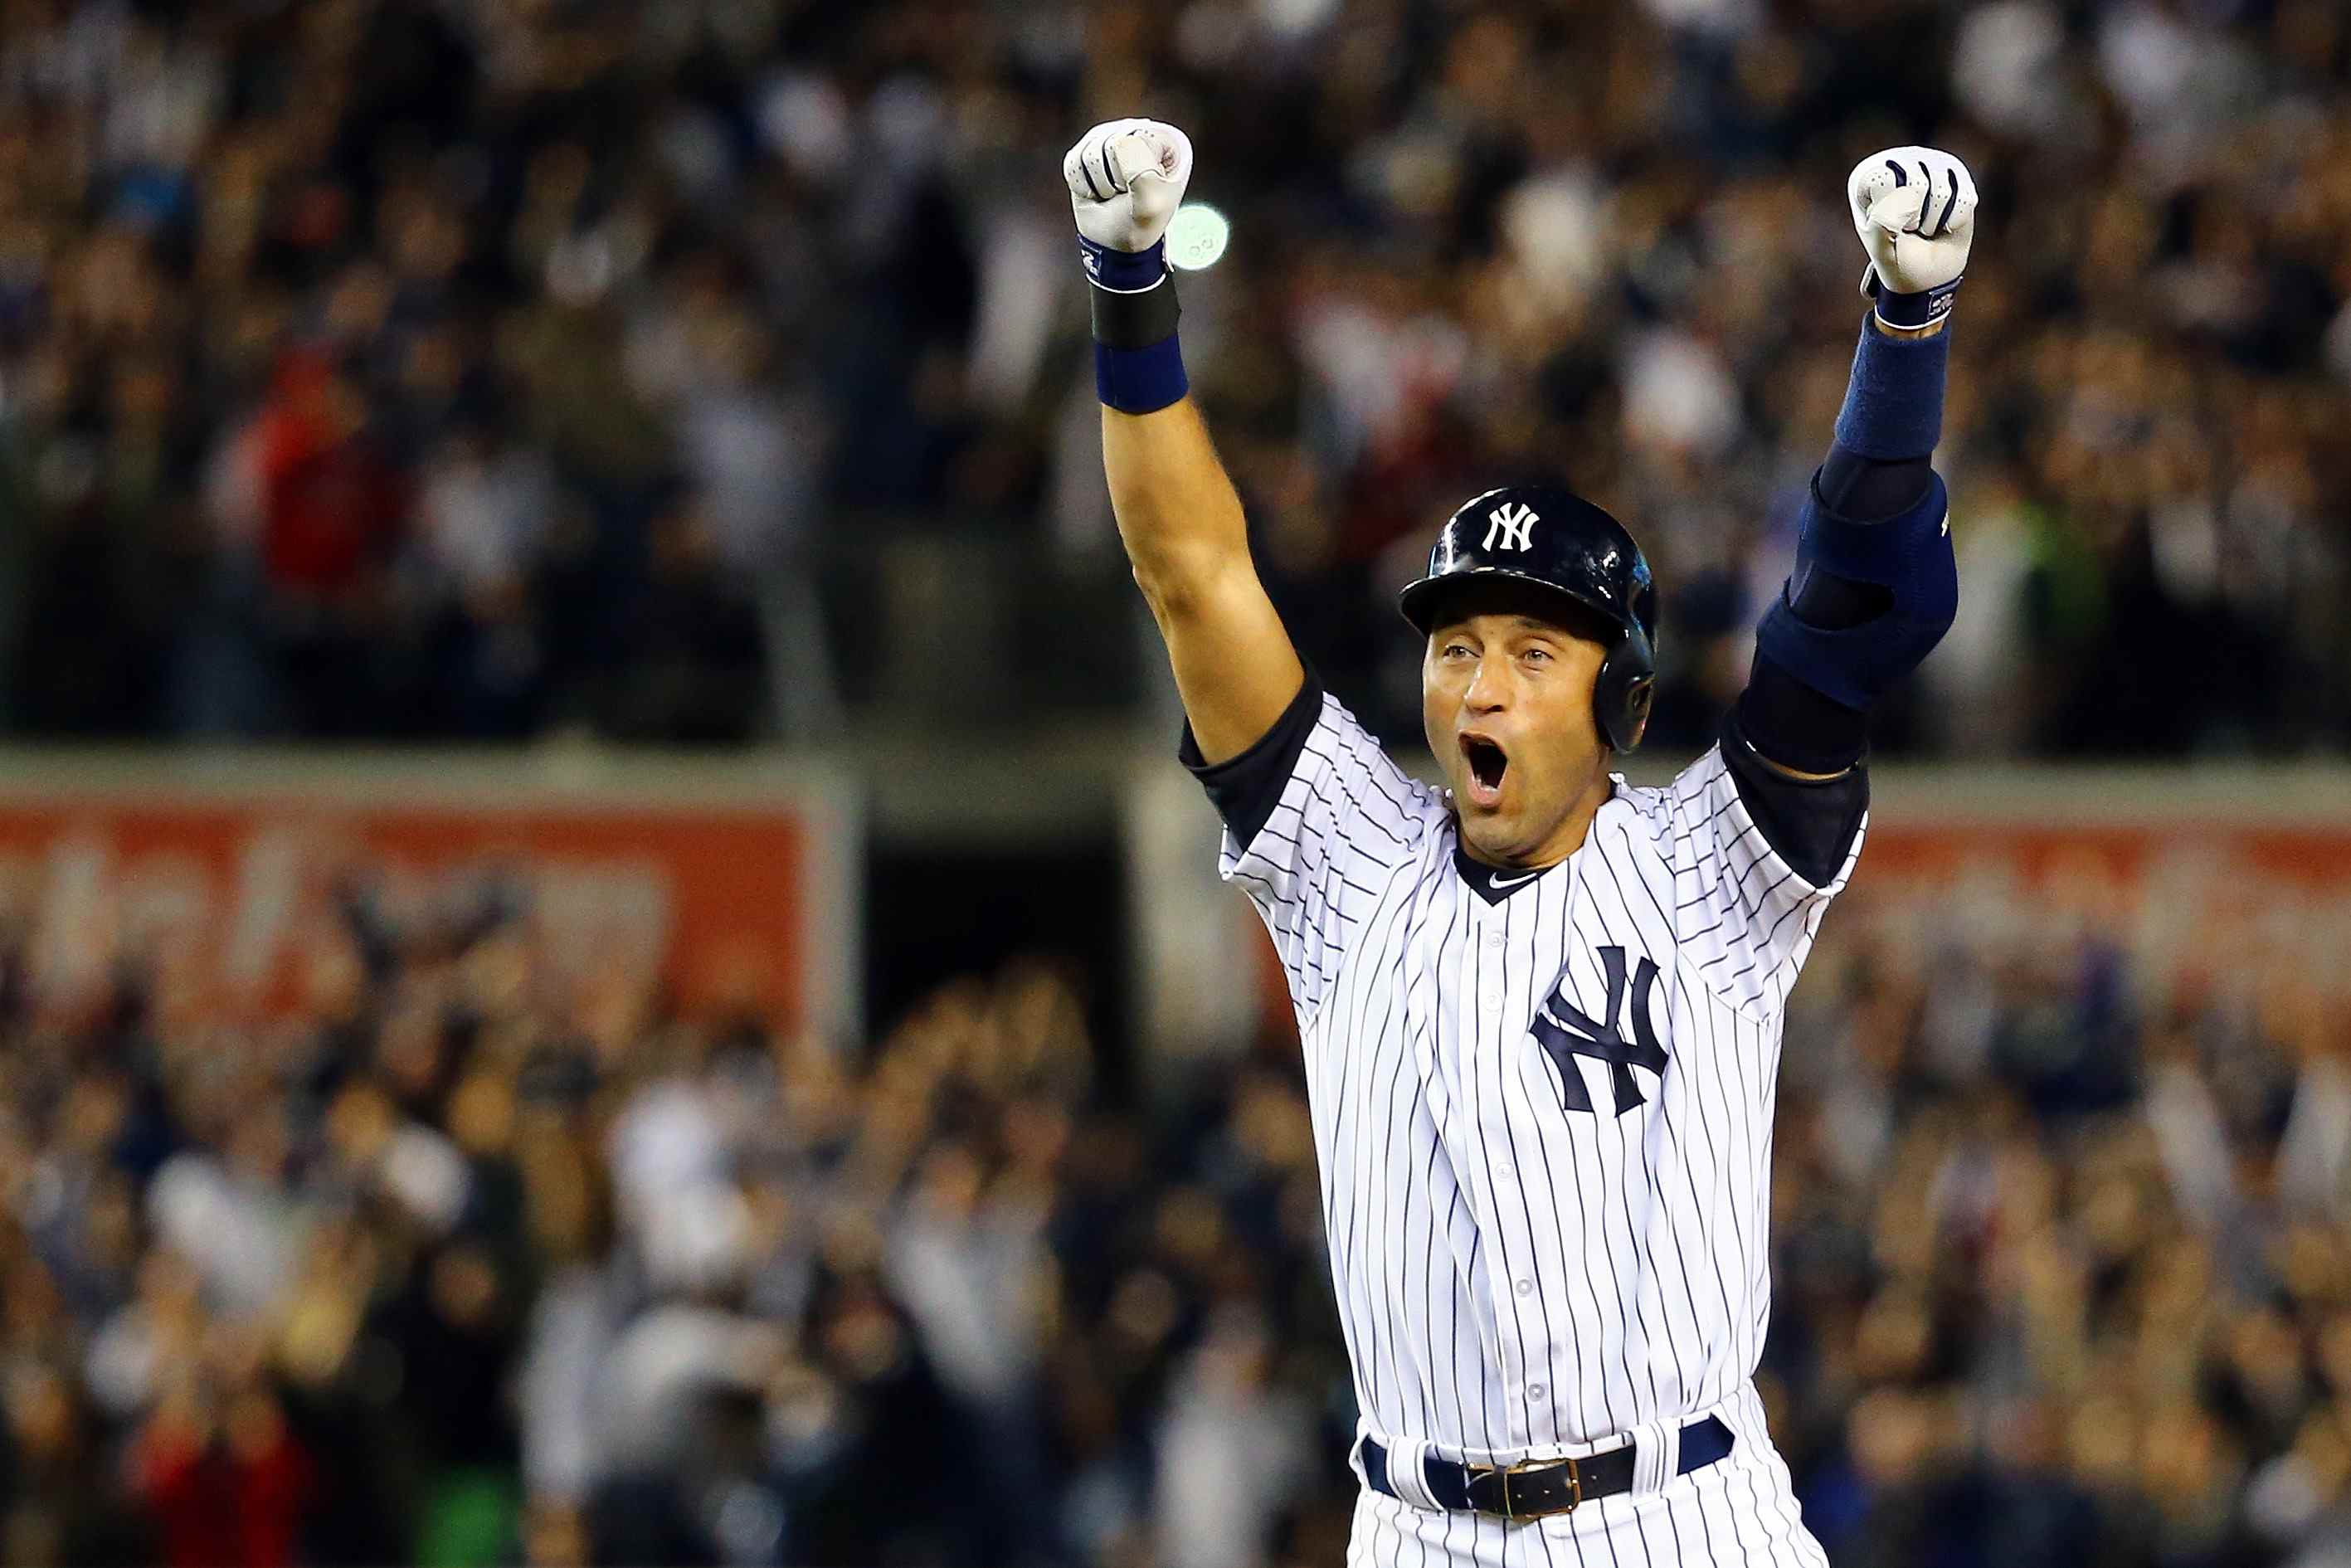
(1920, 309)
(1138, 366)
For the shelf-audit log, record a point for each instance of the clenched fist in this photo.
(1915, 209)
(1126, 178)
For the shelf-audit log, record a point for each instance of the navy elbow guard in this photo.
(1909, 559)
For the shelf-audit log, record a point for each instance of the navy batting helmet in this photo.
(1543, 536)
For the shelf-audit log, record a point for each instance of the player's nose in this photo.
(1489, 690)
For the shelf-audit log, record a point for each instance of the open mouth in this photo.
(1487, 763)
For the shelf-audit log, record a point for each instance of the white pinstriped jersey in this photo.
(1543, 1103)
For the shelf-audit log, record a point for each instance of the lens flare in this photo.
(1195, 239)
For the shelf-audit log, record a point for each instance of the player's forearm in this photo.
(1871, 487)
(1177, 513)
(1880, 466)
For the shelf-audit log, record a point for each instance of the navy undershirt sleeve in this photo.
(1810, 823)
(1871, 489)
(1247, 788)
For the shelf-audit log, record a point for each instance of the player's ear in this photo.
(1637, 702)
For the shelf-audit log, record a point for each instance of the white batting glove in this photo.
(1126, 178)
(1915, 209)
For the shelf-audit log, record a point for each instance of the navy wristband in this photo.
(1139, 381)
(1894, 404)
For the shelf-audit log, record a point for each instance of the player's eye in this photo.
(1457, 651)
(1538, 655)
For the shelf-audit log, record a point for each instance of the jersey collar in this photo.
(1493, 884)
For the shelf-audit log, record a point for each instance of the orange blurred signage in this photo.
(718, 899)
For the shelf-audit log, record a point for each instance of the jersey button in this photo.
(1525, 1287)
(1493, 938)
(1535, 1391)
(1492, 1002)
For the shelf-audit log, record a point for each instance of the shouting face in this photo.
(1506, 700)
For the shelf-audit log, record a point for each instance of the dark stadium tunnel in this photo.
(937, 914)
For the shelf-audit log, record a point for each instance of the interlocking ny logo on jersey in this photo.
(1515, 527)
(1574, 1035)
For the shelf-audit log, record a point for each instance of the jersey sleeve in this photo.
(1316, 816)
(1758, 856)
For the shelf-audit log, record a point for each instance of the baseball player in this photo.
(1541, 1008)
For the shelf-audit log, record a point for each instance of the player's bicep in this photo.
(1744, 911)
(1235, 667)
(1317, 820)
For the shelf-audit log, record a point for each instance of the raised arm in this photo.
(1177, 513)
(1875, 585)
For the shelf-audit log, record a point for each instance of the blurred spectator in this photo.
(687, 644)
(451, 328)
(1233, 1451)
(485, 510)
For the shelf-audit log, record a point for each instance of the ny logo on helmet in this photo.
(1513, 526)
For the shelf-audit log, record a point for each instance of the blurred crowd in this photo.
(2062, 1228)
(462, 1262)
(467, 369)
(472, 1258)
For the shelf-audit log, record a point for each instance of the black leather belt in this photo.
(1541, 1488)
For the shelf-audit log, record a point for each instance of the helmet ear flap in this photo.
(1627, 686)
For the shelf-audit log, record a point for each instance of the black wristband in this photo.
(1138, 319)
